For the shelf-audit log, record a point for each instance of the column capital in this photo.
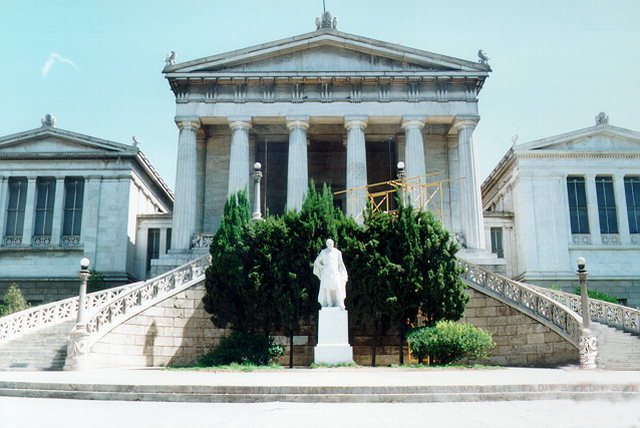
(468, 121)
(413, 122)
(190, 122)
(294, 122)
(355, 122)
(239, 122)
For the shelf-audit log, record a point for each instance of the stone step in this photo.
(320, 394)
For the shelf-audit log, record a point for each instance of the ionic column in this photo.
(592, 209)
(356, 164)
(184, 206)
(470, 197)
(58, 206)
(298, 170)
(621, 209)
(29, 211)
(239, 168)
(414, 146)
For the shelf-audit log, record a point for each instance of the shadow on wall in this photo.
(149, 342)
(193, 332)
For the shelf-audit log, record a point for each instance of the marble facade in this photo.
(530, 202)
(40, 248)
(328, 106)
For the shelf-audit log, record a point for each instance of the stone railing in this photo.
(618, 316)
(549, 312)
(136, 298)
(16, 324)
(201, 240)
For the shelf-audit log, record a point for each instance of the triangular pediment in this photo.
(601, 138)
(54, 141)
(327, 51)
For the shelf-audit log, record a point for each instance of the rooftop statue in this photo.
(48, 120)
(602, 119)
(327, 21)
(484, 59)
(171, 58)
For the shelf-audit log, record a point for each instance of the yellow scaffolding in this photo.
(420, 191)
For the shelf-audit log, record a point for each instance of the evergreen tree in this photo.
(233, 295)
(14, 301)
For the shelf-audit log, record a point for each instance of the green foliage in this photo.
(400, 266)
(243, 348)
(261, 276)
(593, 294)
(449, 341)
(96, 282)
(14, 301)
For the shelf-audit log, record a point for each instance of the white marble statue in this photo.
(330, 268)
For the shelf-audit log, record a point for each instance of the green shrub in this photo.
(449, 341)
(243, 348)
(598, 295)
(14, 301)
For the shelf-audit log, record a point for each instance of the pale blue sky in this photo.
(556, 64)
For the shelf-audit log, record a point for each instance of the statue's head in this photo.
(329, 243)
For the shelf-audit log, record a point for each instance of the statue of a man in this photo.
(330, 268)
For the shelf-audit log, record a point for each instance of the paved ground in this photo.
(29, 412)
(332, 377)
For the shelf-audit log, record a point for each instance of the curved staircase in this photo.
(38, 338)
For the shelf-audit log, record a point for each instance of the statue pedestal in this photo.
(333, 337)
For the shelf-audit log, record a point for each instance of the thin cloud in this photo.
(53, 57)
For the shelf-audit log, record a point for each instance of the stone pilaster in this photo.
(4, 191)
(414, 146)
(592, 209)
(201, 156)
(621, 208)
(469, 196)
(356, 164)
(297, 167)
(239, 168)
(184, 207)
(58, 207)
(29, 211)
(454, 186)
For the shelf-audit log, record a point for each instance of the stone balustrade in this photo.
(28, 320)
(618, 316)
(555, 315)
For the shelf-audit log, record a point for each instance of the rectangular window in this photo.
(606, 205)
(578, 205)
(74, 195)
(16, 206)
(168, 246)
(496, 242)
(632, 193)
(45, 196)
(153, 246)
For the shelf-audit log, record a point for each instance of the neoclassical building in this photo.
(572, 195)
(64, 196)
(329, 106)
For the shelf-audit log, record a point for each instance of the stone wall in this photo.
(520, 340)
(178, 330)
(174, 332)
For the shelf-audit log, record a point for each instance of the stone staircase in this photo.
(42, 349)
(617, 350)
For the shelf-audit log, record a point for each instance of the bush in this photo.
(449, 341)
(593, 294)
(243, 348)
(14, 301)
